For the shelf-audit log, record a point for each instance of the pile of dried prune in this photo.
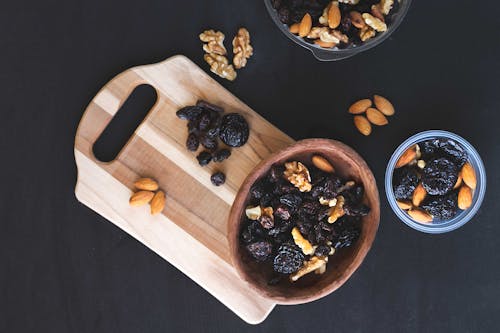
(433, 180)
(298, 215)
(207, 124)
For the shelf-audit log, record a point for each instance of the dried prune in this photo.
(439, 176)
(204, 121)
(208, 106)
(404, 182)
(221, 155)
(291, 200)
(192, 142)
(204, 158)
(288, 260)
(208, 142)
(260, 250)
(218, 178)
(251, 232)
(234, 130)
(444, 147)
(442, 207)
(189, 113)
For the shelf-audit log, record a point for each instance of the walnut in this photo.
(211, 35)
(301, 242)
(340, 36)
(386, 6)
(350, 2)
(219, 65)
(323, 19)
(348, 185)
(366, 33)
(327, 37)
(241, 48)
(298, 175)
(337, 211)
(309, 266)
(253, 213)
(214, 47)
(316, 31)
(326, 202)
(374, 22)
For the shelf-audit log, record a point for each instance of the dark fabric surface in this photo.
(66, 269)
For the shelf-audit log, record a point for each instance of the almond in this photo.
(418, 195)
(322, 163)
(141, 198)
(334, 16)
(294, 28)
(408, 156)
(420, 215)
(459, 182)
(357, 19)
(327, 45)
(158, 203)
(384, 105)
(363, 125)
(464, 197)
(404, 205)
(360, 106)
(376, 117)
(305, 25)
(146, 184)
(469, 175)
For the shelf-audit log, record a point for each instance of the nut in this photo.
(309, 266)
(301, 242)
(404, 205)
(305, 25)
(469, 175)
(337, 211)
(334, 15)
(158, 203)
(219, 65)
(328, 202)
(253, 213)
(459, 182)
(357, 19)
(418, 195)
(146, 184)
(386, 6)
(420, 215)
(323, 20)
(215, 48)
(298, 174)
(374, 22)
(366, 33)
(464, 197)
(421, 164)
(376, 117)
(141, 198)
(360, 106)
(324, 44)
(327, 37)
(211, 35)
(350, 2)
(241, 48)
(363, 125)
(340, 36)
(294, 28)
(407, 157)
(322, 163)
(377, 13)
(267, 218)
(383, 105)
(321, 270)
(316, 31)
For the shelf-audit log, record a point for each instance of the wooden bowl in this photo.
(344, 262)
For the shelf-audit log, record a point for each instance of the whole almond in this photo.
(469, 175)
(360, 106)
(322, 163)
(146, 184)
(305, 25)
(326, 45)
(376, 117)
(408, 156)
(363, 125)
(294, 28)
(459, 182)
(158, 203)
(418, 195)
(334, 16)
(464, 197)
(141, 198)
(357, 19)
(404, 205)
(420, 215)
(384, 105)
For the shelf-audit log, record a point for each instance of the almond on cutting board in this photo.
(407, 157)
(464, 197)
(420, 215)
(383, 105)
(469, 175)
(141, 198)
(363, 125)
(376, 117)
(158, 203)
(360, 106)
(322, 163)
(146, 184)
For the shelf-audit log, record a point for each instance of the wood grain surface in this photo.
(191, 232)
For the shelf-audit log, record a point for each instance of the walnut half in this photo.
(298, 174)
(241, 48)
(220, 66)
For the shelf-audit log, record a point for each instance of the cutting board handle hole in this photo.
(124, 123)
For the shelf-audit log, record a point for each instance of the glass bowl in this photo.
(462, 217)
(334, 54)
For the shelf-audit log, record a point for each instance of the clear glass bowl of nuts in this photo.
(435, 181)
(335, 30)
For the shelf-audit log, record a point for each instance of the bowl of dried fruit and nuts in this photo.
(334, 30)
(303, 221)
(435, 181)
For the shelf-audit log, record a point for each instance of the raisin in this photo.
(189, 113)
(276, 173)
(266, 199)
(218, 178)
(282, 212)
(257, 190)
(442, 207)
(266, 222)
(323, 213)
(322, 251)
(208, 106)
(439, 176)
(304, 227)
(251, 232)
(404, 182)
(234, 130)
(356, 209)
(260, 250)
(309, 208)
(192, 142)
(291, 200)
(221, 155)
(288, 260)
(346, 233)
(204, 158)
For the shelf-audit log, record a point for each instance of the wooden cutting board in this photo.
(191, 232)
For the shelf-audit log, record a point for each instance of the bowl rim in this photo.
(234, 223)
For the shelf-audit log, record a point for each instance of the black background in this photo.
(66, 269)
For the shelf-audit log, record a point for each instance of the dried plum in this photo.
(444, 147)
(204, 121)
(404, 182)
(260, 250)
(208, 142)
(234, 130)
(251, 232)
(192, 142)
(218, 178)
(442, 207)
(288, 260)
(189, 113)
(204, 158)
(221, 155)
(209, 106)
(439, 176)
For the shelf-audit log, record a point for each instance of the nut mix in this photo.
(298, 215)
(207, 123)
(343, 23)
(433, 180)
(148, 193)
(375, 116)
